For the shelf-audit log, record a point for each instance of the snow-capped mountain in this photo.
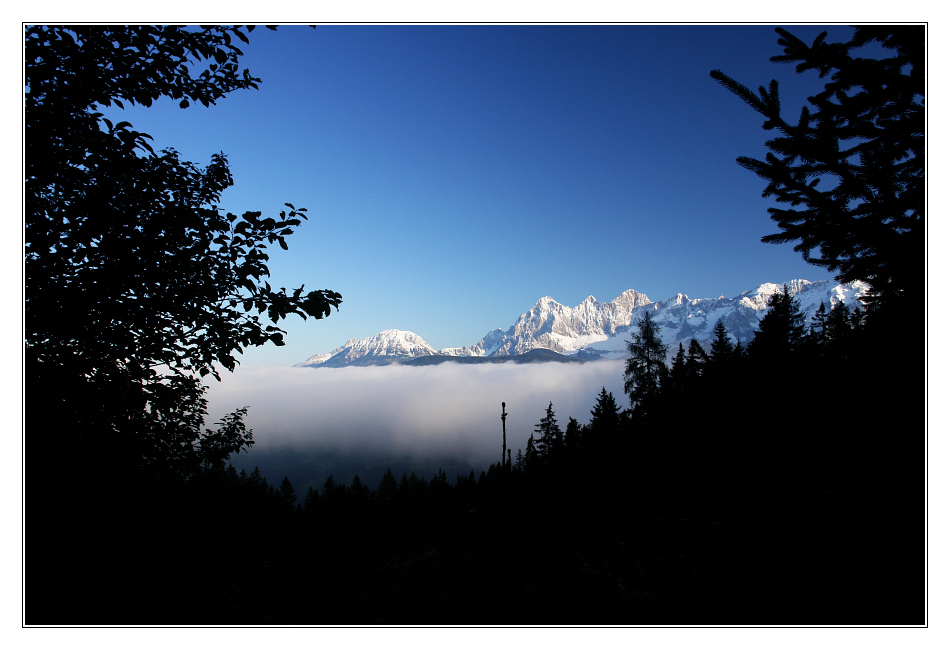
(681, 319)
(595, 329)
(552, 326)
(390, 346)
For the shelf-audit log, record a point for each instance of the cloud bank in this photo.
(443, 410)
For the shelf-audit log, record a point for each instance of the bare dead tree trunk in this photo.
(504, 435)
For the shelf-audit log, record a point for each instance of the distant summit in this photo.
(390, 346)
(594, 330)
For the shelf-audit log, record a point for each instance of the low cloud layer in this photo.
(448, 409)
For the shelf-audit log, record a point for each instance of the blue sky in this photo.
(454, 175)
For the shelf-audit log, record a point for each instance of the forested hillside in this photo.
(750, 486)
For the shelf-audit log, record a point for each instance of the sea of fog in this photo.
(311, 422)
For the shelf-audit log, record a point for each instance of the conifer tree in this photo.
(738, 353)
(404, 486)
(677, 377)
(839, 327)
(857, 318)
(721, 349)
(417, 485)
(519, 461)
(286, 492)
(781, 330)
(358, 491)
(604, 417)
(439, 480)
(310, 499)
(550, 437)
(721, 362)
(530, 453)
(818, 328)
(646, 368)
(695, 360)
(572, 436)
(852, 167)
(329, 487)
(388, 487)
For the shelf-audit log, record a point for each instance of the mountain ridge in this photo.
(593, 329)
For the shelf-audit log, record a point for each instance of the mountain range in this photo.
(550, 331)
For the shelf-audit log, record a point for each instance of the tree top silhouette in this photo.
(137, 284)
(851, 167)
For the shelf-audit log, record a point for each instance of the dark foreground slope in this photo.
(799, 501)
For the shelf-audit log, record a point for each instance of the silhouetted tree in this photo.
(782, 329)
(695, 360)
(286, 492)
(572, 437)
(738, 353)
(852, 168)
(550, 437)
(530, 453)
(604, 417)
(720, 363)
(358, 492)
(678, 371)
(818, 328)
(403, 490)
(388, 487)
(466, 485)
(519, 461)
(136, 283)
(329, 487)
(310, 499)
(412, 486)
(720, 351)
(857, 318)
(646, 368)
(439, 480)
(838, 329)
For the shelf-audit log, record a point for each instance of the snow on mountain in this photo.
(681, 319)
(385, 347)
(317, 359)
(487, 347)
(552, 326)
(595, 329)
